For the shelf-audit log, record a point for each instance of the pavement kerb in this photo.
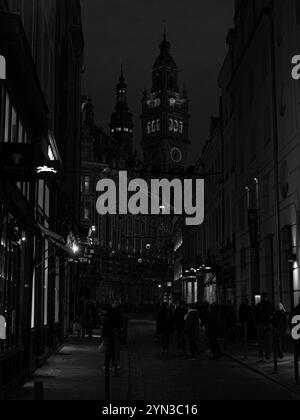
(265, 375)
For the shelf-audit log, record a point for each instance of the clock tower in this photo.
(165, 117)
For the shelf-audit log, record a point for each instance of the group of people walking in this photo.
(187, 322)
(264, 324)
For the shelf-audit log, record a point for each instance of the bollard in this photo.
(39, 391)
(296, 362)
(107, 371)
(245, 340)
(275, 350)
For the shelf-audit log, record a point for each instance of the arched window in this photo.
(158, 125)
(171, 125)
(153, 126)
(176, 126)
(149, 127)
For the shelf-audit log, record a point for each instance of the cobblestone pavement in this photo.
(76, 373)
(154, 376)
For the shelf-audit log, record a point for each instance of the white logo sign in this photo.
(2, 68)
(153, 197)
(41, 169)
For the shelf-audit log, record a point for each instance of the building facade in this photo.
(42, 44)
(128, 260)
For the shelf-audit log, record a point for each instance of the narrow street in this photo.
(76, 373)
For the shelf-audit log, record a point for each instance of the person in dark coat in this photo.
(165, 326)
(192, 331)
(230, 321)
(112, 325)
(264, 313)
(180, 313)
(246, 320)
(212, 331)
(87, 316)
(280, 323)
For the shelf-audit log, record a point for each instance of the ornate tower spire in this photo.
(165, 116)
(121, 123)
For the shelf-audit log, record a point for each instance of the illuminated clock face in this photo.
(176, 155)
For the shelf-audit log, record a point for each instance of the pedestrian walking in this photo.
(230, 321)
(281, 325)
(192, 331)
(111, 331)
(212, 331)
(87, 316)
(264, 313)
(164, 326)
(180, 313)
(246, 320)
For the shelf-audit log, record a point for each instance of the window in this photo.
(181, 127)
(172, 102)
(153, 126)
(149, 127)
(158, 125)
(87, 212)
(171, 124)
(176, 126)
(267, 126)
(14, 126)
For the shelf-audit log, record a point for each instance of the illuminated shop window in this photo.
(157, 125)
(176, 126)
(172, 101)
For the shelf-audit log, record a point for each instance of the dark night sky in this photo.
(132, 30)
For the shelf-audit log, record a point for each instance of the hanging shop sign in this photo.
(2, 68)
(26, 162)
